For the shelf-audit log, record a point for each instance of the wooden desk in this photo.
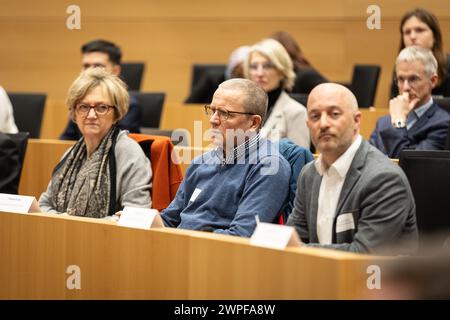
(124, 263)
(40, 159)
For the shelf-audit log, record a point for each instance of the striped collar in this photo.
(238, 151)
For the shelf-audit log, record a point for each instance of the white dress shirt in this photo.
(7, 124)
(330, 190)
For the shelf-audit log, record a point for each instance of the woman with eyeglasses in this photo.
(105, 170)
(420, 27)
(269, 65)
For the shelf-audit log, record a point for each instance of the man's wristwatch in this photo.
(399, 123)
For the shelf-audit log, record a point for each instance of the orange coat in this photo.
(167, 175)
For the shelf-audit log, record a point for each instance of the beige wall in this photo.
(38, 52)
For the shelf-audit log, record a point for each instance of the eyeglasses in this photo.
(223, 113)
(266, 66)
(100, 109)
(412, 81)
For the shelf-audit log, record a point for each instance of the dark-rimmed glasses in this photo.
(223, 114)
(100, 109)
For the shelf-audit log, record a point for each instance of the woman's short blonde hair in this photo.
(112, 85)
(277, 54)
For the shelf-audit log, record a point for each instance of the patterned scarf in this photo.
(81, 186)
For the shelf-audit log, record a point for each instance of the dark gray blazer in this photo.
(377, 194)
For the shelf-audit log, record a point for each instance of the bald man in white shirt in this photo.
(352, 197)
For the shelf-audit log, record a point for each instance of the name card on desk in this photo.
(140, 218)
(18, 204)
(274, 236)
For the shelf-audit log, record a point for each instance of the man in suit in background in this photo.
(352, 197)
(105, 54)
(414, 121)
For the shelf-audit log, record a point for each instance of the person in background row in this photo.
(269, 65)
(105, 170)
(203, 90)
(420, 27)
(107, 55)
(306, 76)
(414, 120)
(7, 124)
(352, 198)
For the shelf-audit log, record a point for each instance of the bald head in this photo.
(333, 120)
(336, 91)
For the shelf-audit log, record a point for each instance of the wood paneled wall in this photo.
(38, 52)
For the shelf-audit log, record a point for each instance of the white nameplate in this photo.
(140, 218)
(18, 204)
(274, 236)
(345, 222)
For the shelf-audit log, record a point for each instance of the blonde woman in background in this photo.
(269, 65)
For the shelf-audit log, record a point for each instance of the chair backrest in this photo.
(205, 80)
(306, 79)
(300, 97)
(28, 111)
(447, 140)
(132, 73)
(20, 141)
(180, 137)
(199, 70)
(167, 174)
(297, 157)
(428, 173)
(152, 105)
(364, 83)
(444, 103)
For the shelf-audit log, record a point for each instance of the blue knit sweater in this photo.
(225, 196)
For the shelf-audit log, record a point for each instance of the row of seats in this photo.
(363, 84)
(26, 104)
